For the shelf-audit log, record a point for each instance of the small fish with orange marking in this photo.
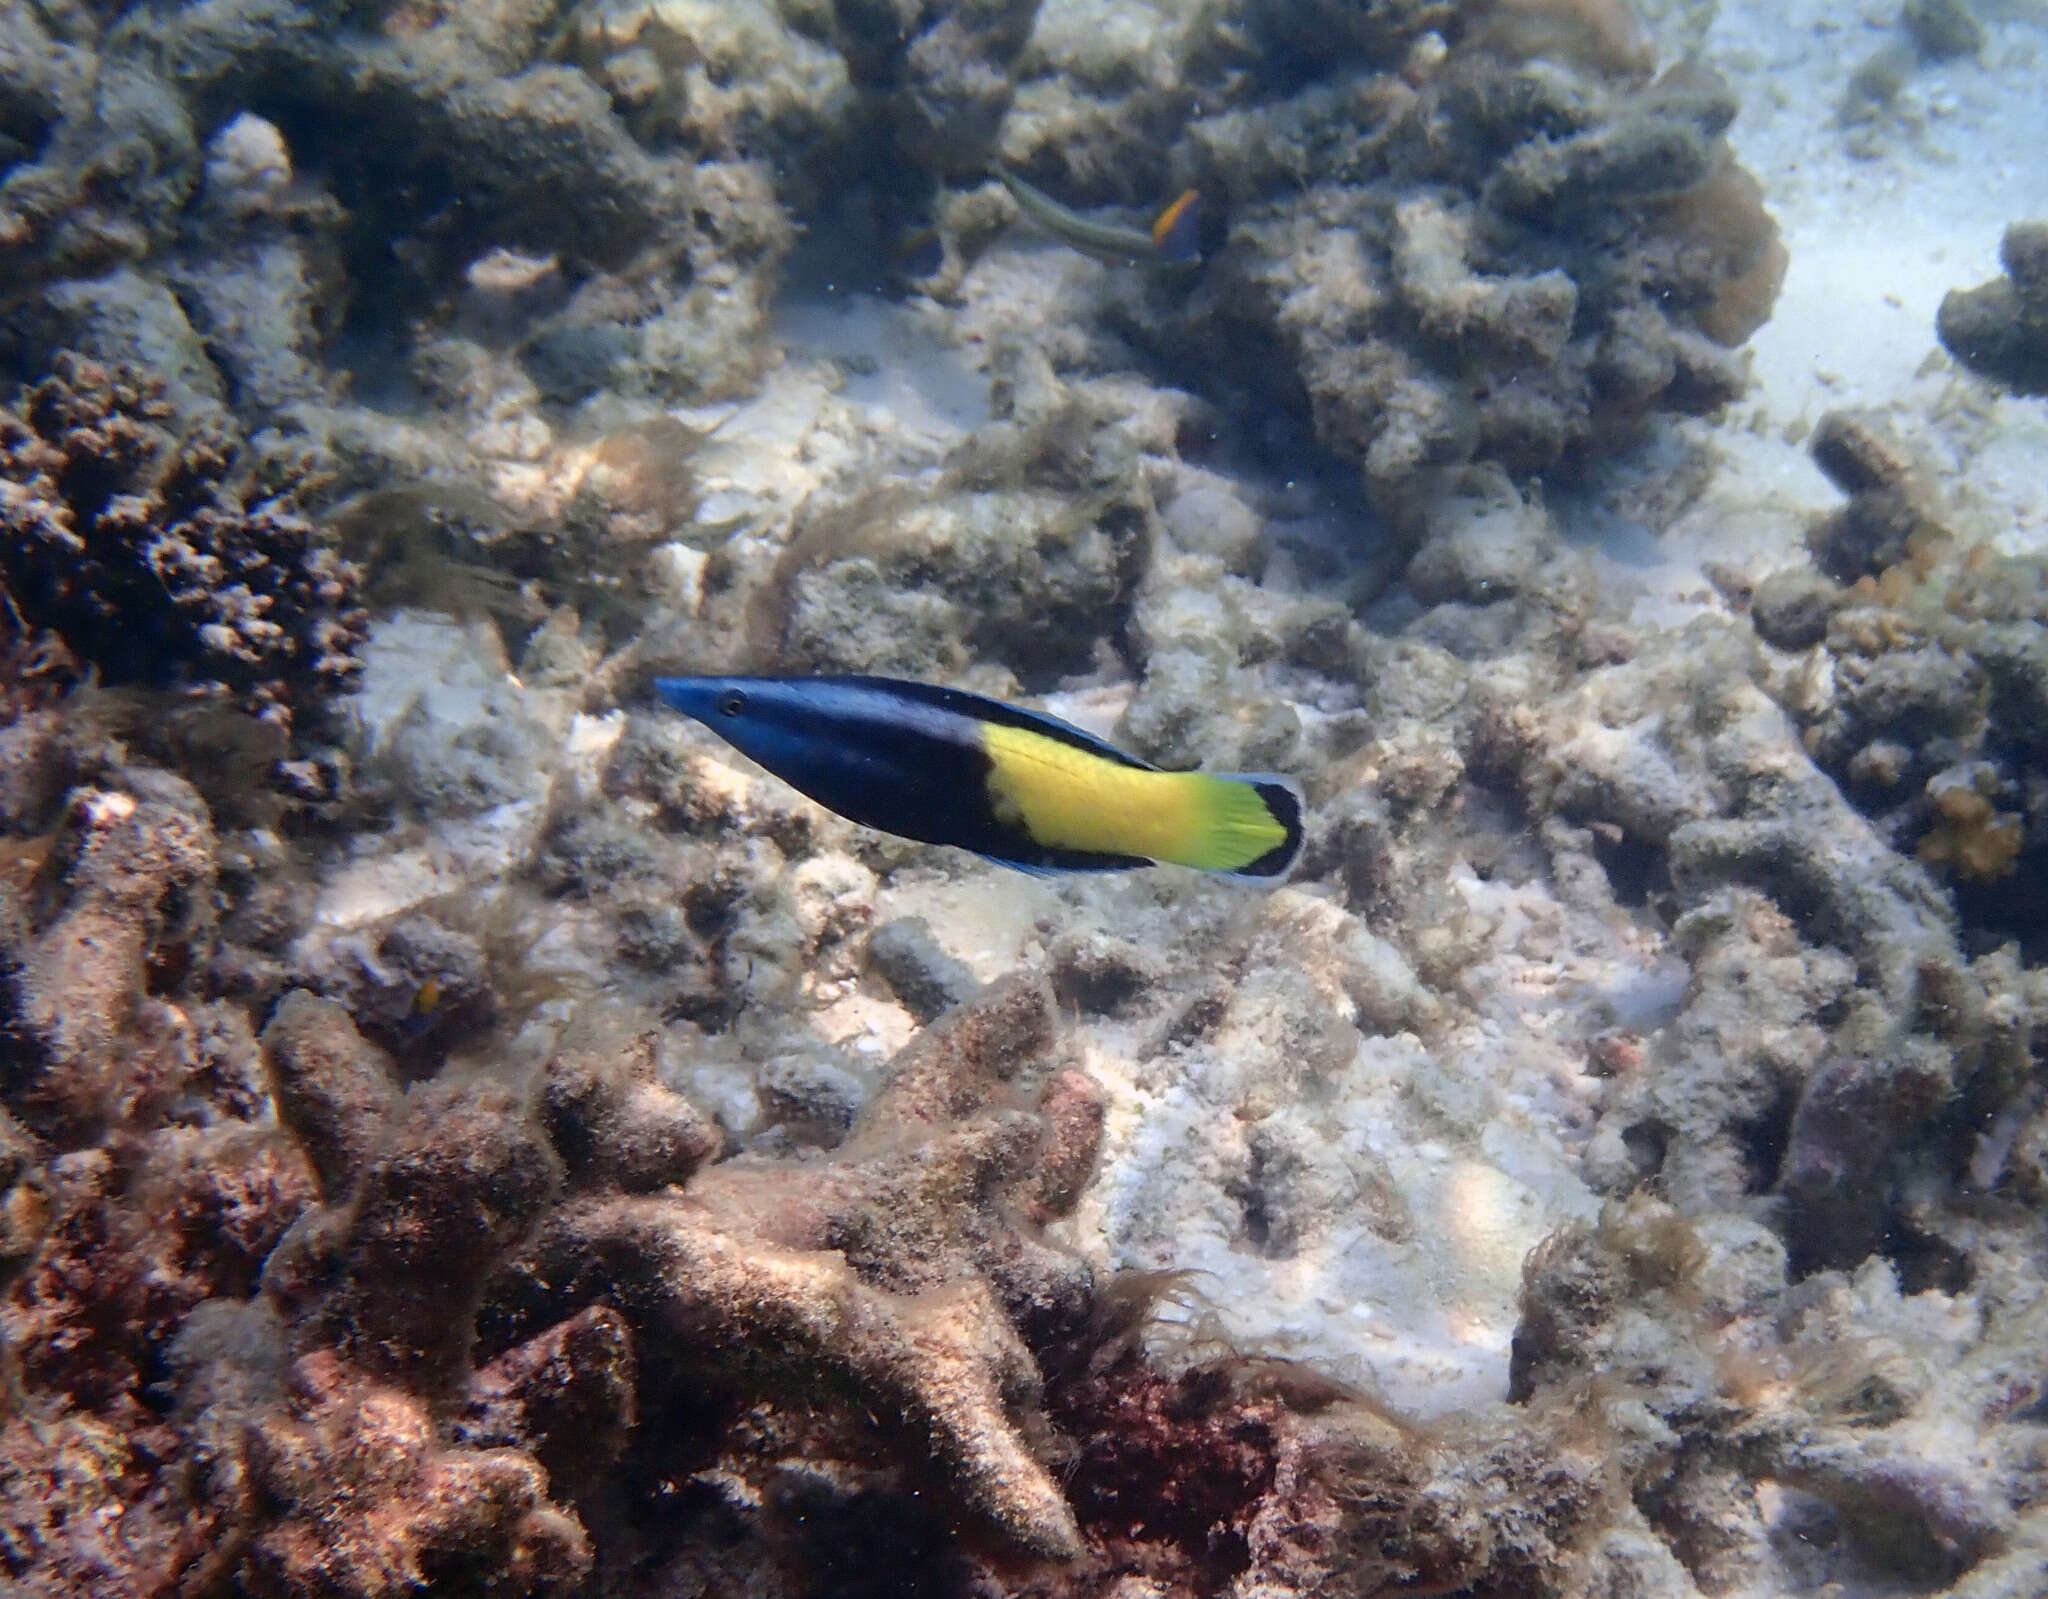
(1172, 240)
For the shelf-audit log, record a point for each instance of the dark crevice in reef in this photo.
(1927, 1263)
(1638, 869)
(2007, 909)
(1765, 1137)
(1646, 1143)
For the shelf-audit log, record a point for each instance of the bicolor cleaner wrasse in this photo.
(1026, 790)
(1173, 240)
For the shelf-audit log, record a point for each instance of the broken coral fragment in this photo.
(369, 1503)
(132, 873)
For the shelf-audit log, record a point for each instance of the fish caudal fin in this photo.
(1177, 231)
(1250, 825)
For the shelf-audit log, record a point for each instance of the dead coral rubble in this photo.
(1241, 1477)
(940, 71)
(213, 193)
(1928, 708)
(1024, 549)
(147, 1181)
(1834, 1032)
(1495, 323)
(1839, 1390)
(99, 161)
(1849, 1020)
(886, 1271)
(88, 1045)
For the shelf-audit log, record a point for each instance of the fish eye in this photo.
(731, 702)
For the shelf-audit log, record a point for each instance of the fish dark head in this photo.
(854, 744)
(767, 718)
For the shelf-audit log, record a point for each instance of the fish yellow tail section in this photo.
(1071, 798)
(1251, 825)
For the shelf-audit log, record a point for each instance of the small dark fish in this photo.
(1173, 239)
(1023, 789)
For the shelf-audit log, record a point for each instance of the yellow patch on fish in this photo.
(1069, 798)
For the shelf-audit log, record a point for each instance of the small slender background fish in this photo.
(1173, 240)
(1023, 789)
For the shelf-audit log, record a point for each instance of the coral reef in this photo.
(875, 1273)
(259, 205)
(547, 1156)
(1831, 1387)
(940, 70)
(138, 869)
(100, 160)
(1496, 279)
(1023, 549)
(1928, 708)
(314, 1283)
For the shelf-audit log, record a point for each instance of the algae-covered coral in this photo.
(311, 1253)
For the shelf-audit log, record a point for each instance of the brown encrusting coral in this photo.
(180, 561)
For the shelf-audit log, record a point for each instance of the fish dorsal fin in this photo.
(981, 707)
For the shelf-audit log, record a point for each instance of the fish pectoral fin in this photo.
(1028, 870)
